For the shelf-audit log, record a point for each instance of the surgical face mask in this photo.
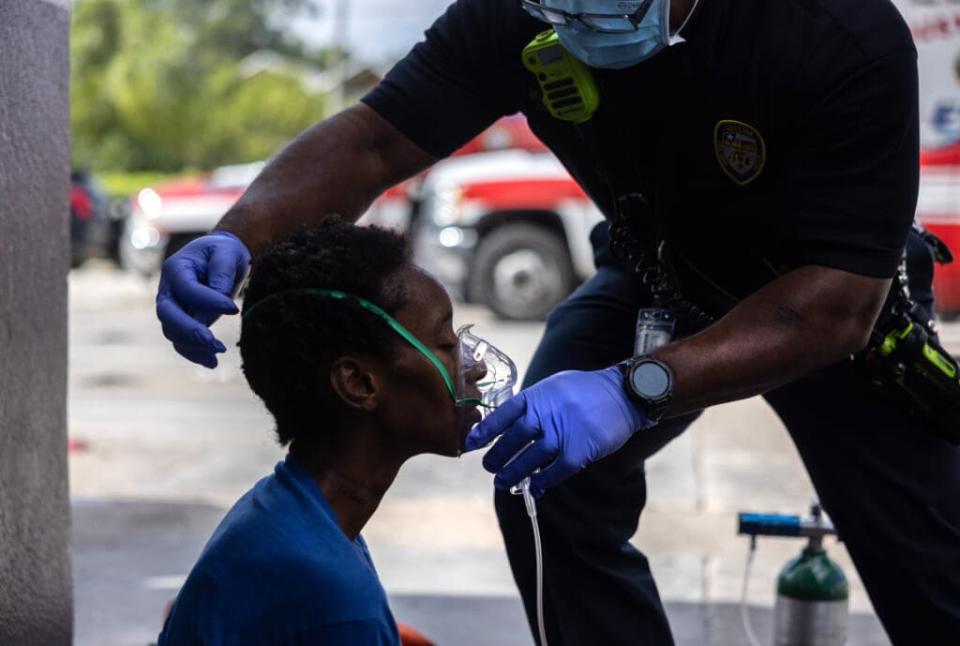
(606, 50)
(497, 374)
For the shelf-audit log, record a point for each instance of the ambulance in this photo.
(935, 25)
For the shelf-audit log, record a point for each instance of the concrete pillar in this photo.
(35, 583)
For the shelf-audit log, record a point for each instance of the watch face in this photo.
(650, 380)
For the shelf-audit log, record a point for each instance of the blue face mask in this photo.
(613, 50)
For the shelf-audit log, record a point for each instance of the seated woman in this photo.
(332, 321)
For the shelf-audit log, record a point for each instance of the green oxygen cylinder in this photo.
(812, 600)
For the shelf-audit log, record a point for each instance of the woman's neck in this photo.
(353, 478)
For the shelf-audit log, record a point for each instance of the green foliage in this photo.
(158, 84)
(122, 184)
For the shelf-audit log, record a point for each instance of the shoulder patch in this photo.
(740, 150)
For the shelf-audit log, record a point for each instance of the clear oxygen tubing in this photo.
(744, 611)
(524, 489)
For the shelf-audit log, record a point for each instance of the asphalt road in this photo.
(163, 448)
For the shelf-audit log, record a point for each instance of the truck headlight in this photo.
(451, 237)
(446, 205)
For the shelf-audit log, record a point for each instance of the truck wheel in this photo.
(521, 272)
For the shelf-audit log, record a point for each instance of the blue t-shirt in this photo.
(279, 570)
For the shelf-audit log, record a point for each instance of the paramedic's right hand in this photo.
(557, 427)
(195, 287)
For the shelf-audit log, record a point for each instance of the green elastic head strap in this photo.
(367, 305)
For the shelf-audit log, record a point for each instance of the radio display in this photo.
(550, 55)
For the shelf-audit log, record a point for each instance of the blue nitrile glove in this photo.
(574, 418)
(195, 287)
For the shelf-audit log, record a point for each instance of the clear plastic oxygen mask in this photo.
(494, 372)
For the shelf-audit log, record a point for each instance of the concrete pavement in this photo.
(124, 550)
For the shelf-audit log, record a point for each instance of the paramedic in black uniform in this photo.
(777, 143)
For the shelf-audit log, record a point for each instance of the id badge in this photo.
(655, 328)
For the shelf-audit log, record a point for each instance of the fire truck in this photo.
(500, 223)
(509, 229)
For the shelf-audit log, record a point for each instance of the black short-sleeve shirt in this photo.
(780, 133)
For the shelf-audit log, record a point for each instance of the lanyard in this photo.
(638, 226)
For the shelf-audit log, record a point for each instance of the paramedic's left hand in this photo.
(573, 419)
(194, 291)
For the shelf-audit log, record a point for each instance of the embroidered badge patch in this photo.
(740, 150)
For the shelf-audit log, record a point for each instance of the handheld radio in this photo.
(569, 90)
(906, 356)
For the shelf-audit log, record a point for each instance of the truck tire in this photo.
(521, 271)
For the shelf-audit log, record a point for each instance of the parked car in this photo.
(164, 218)
(89, 219)
(509, 229)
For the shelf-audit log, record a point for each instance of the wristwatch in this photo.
(649, 383)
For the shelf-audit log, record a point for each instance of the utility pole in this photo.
(341, 10)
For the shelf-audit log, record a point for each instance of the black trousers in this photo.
(891, 487)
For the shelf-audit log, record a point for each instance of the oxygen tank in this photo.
(812, 592)
(812, 601)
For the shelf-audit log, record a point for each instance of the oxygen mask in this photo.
(486, 374)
